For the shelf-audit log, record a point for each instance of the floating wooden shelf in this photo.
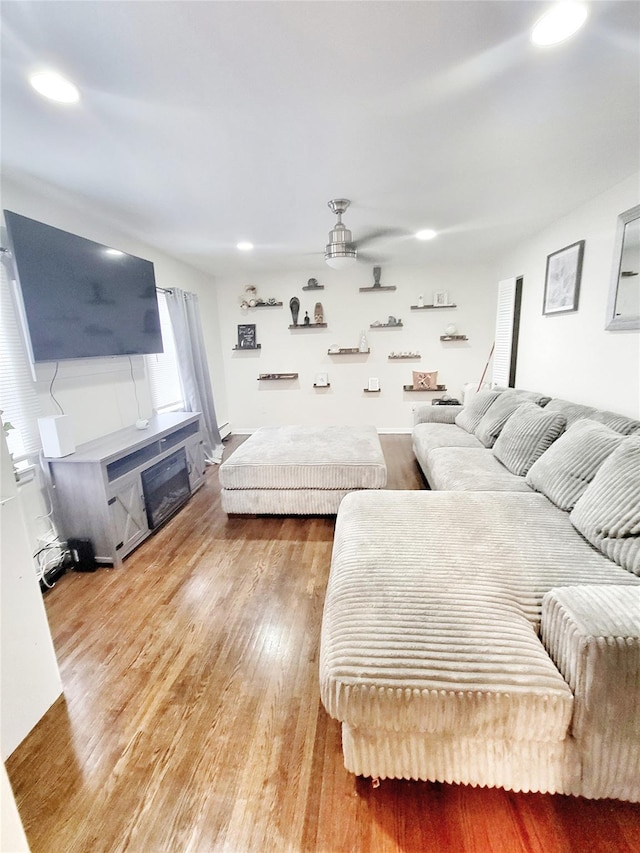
(369, 391)
(432, 307)
(377, 288)
(242, 349)
(386, 326)
(410, 356)
(349, 351)
(425, 390)
(314, 287)
(309, 326)
(266, 305)
(328, 385)
(270, 376)
(454, 338)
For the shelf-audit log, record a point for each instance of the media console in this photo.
(116, 489)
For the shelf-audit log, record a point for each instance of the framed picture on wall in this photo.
(440, 298)
(562, 280)
(247, 336)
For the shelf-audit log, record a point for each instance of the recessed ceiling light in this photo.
(245, 246)
(426, 234)
(54, 86)
(560, 22)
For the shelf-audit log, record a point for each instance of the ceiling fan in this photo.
(341, 251)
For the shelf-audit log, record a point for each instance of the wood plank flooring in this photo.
(191, 719)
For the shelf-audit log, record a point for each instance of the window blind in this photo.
(18, 398)
(506, 337)
(162, 368)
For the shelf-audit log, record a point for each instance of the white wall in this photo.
(99, 394)
(347, 311)
(571, 355)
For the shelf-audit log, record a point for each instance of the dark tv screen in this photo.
(82, 299)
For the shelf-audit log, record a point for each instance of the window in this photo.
(18, 398)
(162, 368)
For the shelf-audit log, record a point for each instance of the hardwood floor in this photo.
(191, 719)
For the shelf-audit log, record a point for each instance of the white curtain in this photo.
(193, 368)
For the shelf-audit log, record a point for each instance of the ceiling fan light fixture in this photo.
(341, 261)
(340, 252)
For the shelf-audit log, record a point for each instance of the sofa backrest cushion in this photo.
(572, 411)
(497, 415)
(531, 396)
(471, 415)
(619, 423)
(526, 435)
(608, 513)
(564, 471)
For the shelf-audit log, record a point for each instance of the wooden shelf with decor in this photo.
(313, 287)
(377, 288)
(349, 351)
(386, 325)
(454, 338)
(308, 326)
(274, 376)
(432, 307)
(372, 390)
(266, 305)
(244, 349)
(425, 390)
(410, 356)
(328, 385)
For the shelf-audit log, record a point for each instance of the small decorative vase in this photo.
(421, 301)
(364, 344)
(318, 313)
(307, 321)
(376, 276)
(451, 330)
(294, 306)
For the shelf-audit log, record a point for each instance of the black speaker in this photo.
(83, 558)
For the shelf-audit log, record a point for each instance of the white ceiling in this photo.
(203, 123)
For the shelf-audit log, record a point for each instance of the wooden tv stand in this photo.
(98, 489)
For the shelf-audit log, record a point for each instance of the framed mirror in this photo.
(623, 310)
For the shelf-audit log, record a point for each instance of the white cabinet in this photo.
(129, 524)
(98, 490)
(195, 462)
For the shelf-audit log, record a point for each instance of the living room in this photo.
(567, 178)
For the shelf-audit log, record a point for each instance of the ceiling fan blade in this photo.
(371, 258)
(379, 234)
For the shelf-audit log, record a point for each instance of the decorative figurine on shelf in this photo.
(421, 301)
(251, 295)
(307, 321)
(376, 276)
(393, 321)
(364, 344)
(312, 284)
(451, 330)
(318, 313)
(294, 306)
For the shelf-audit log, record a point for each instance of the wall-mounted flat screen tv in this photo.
(81, 299)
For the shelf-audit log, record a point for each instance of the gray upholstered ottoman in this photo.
(301, 470)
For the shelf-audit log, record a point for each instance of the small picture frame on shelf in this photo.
(441, 297)
(374, 384)
(247, 336)
(322, 380)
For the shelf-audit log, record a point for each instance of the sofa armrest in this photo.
(436, 414)
(592, 633)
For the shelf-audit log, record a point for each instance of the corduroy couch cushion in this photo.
(497, 415)
(608, 513)
(527, 434)
(564, 471)
(471, 415)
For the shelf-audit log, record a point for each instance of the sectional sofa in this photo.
(487, 631)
